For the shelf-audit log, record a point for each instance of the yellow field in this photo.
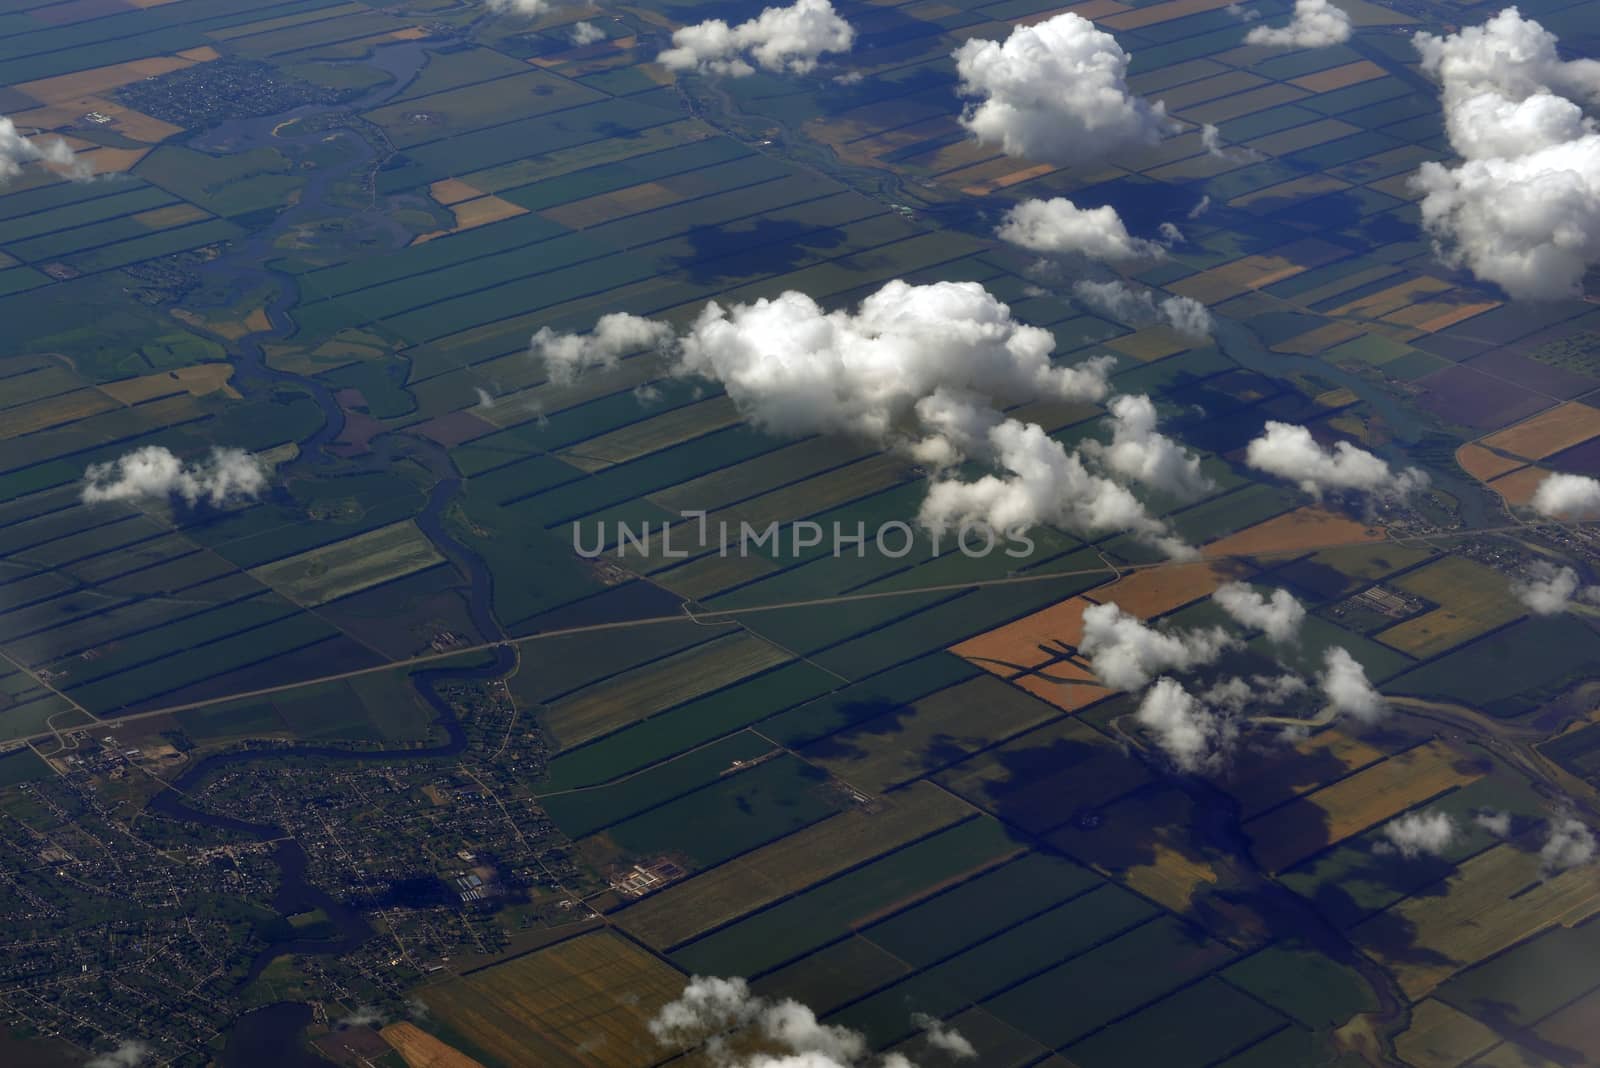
(1143, 843)
(1386, 301)
(1150, 343)
(647, 435)
(173, 215)
(53, 411)
(1303, 529)
(83, 83)
(1472, 599)
(591, 211)
(421, 1050)
(1254, 272)
(329, 572)
(633, 695)
(471, 214)
(197, 381)
(450, 191)
(1323, 337)
(1482, 464)
(1442, 1037)
(1432, 316)
(1287, 835)
(1009, 179)
(1486, 906)
(1326, 755)
(1548, 432)
(746, 883)
(583, 1003)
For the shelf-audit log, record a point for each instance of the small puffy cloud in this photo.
(129, 1053)
(1547, 590)
(729, 1020)
(1125, 653)
(780, 39)
(943, 1037)
(227, 476)
(1171, 234)
(587, 33)
(1242, 13)
(1239, 694)
(1203, 206)
(1278, 616)
(1139, 453)
(1316, 24)
(1495, 822)
(16, 151)
(1290, 452)
(485, 398)
(1523, 208)
(1570, 844)
(1418, 834)
(1211, 141)
(1138, 307)
(1564, 496)
(1193, 734)
(1055, 92)
(568, 356)
(1060, 226)
(363, 1016)
(1345, 685)
(527, 8)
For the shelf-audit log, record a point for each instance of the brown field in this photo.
(591, 211)
(1327, 755)
(421, 1050)
(1066, 684)
(83, 83)
(1387, 301)
(648, 435)
(471, 214)
(1033, 639)
(1549, 432)
(1339, 77)
(450, 191)
(1491, 902)
(1442, 1037)
(746, 883)
(114, 160)
(1312, 185)
(1518, 487)
(980, 170)
(1472, 599)
(1482, 464)
(1432, 316)
(1150, 343)
(1286, 836)
(197, 381)
(1253, 272)
(583, 1003)
(643, 691)
(53, 411)
(232, 329)
(1323, 337)
(126, 121)
(868, 149)
(1301, 530)
(173, 215)
(1005, 181)
(1158, 13)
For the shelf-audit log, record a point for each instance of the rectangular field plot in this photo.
(1472, 599)
(560, 999)
(337, 570)
(1189, 1029)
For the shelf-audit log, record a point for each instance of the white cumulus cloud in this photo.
(1547, 590)
(1345, 685)
(1139, 307)
(567, 356)
(1570, 844)
(1523, 208)
(1060, 226)
(1495, 822)
(1194, 734)
(16, 151)
(1316, 24)
(130, 1053)
(1564, 496)
(227, 476)
(941, 1036)
(1201, 207)
(587, 33)
(1418, 834)
(1126, 653)
(528, 8)
(1278, 616)
(1139, 453)
(1055, 92)
(1290, 452)
(780, 39)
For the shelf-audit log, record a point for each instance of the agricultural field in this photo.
(354, 245)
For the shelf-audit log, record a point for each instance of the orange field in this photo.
(1548, 432)
(1304, 529)
(421, 1050)
(1066, 684)
(1518, 487)
(450, 191)
(1339, 77)
(1482, 464)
